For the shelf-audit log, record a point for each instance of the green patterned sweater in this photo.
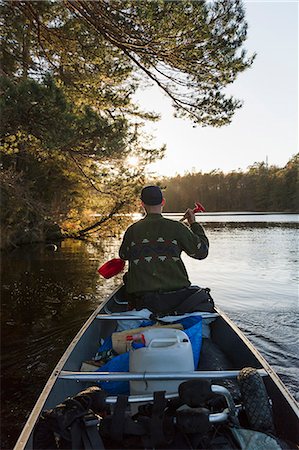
(153, 247)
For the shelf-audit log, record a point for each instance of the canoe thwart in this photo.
(146, 376)
(121, 316)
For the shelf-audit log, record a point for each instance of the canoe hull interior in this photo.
(285, 409)
(233, 347)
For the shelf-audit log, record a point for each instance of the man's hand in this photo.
(190, 216)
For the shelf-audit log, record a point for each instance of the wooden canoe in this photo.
(66, 380)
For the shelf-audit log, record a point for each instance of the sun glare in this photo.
(136, 216)
(132, 161)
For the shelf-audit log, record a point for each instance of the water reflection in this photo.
(250, 268)
(46, 298)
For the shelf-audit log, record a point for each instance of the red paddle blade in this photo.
(198, 207)
(111, 268)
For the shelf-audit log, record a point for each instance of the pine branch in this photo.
(114, 210)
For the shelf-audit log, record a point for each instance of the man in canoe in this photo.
(157, 278)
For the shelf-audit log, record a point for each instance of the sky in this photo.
(265, 128)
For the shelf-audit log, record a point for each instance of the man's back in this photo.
(153, 248)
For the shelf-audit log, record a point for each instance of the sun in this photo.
(132, 161)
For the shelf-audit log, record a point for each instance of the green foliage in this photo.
(192, 50)
(71, 162)
(68, 73)
(260, 188)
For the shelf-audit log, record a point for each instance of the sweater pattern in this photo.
(148, 250)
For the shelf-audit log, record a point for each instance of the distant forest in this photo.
(260, 188)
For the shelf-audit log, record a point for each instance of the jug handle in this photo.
(170, 339)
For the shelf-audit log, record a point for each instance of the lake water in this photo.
(233, 217)
(252, 270)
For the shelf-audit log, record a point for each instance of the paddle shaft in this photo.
(198, 208)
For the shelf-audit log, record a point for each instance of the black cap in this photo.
(151, 195)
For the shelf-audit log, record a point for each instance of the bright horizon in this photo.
(264, 129)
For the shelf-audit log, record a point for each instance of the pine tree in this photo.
(69, 71)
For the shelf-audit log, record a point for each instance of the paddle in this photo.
(116, 265)
(198, 208)
(112, 267)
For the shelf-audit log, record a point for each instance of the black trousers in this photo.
(183, 301)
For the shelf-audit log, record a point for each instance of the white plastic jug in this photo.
(166, 350)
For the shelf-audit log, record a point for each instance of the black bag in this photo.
(72, 424)
(183, 301)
